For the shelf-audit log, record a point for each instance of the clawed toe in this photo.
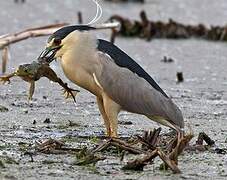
(70, 93)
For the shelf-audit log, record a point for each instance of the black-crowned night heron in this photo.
(116, 80)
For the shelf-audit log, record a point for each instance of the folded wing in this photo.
(134, 93)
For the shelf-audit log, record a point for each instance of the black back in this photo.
(63, 32)
(123, 60)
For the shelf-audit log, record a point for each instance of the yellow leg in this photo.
(111, 109)
(104, 116)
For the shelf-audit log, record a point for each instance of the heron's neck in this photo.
(79, 49)
(79, 61)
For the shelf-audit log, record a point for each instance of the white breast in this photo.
(79, 60)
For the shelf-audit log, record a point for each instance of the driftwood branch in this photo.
(5, 57)
(155, 146)
(6, 40)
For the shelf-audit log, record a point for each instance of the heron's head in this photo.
(59, 41)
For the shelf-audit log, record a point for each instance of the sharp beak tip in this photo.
(48, 55)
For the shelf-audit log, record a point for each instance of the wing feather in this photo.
(123, 60)
(134, 93)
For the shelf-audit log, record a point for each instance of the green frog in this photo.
(33, 72)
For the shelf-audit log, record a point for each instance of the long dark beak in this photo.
(47, 56)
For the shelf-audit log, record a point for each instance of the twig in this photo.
(180, 146)
(125, 146)
(29, 154)
(102, 146)
(180, 77)
(206, 138)
(150, 139)
(170, 163)
(113, 35)
(154, 137)
(80, 20)
(118, 143)
(139, 163)
(5, 57)
(28, 33)
(110, 25)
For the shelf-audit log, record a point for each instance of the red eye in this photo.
(57, 41)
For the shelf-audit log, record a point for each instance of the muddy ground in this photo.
(202, 97)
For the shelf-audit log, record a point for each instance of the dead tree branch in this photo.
(6, 40)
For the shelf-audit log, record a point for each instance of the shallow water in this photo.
(202, 97)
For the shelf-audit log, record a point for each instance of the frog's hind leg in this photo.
(31, 90)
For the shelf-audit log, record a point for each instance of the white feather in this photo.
(98, 13)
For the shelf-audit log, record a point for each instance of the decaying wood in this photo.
(171, 30)
(170, 163)
(125, 146)
(204, 137)
(120, 144)
(150, 138)
(139, 163)
(113, 35)
(5, 57)
(8, 39)
(104, 145)
(88, 158)
(80, 20)
(181, 144)
(53, 146)
(180, 77)
(49, 145)
(169, 157)
(199, 145)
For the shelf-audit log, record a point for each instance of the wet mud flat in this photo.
(202, 98)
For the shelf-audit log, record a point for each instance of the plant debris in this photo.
(167, 59)
(180, 77)
(209, 146)
(86, 156)
(204, 137)
(147, 147)
(47, 120)
(4, 159)
(171, 30)
(53, 146)
(3, 109)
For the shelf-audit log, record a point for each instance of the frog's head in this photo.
(61, 41)
(25, 70)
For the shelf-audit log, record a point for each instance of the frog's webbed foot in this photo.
(69, 92)
(6, 78)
